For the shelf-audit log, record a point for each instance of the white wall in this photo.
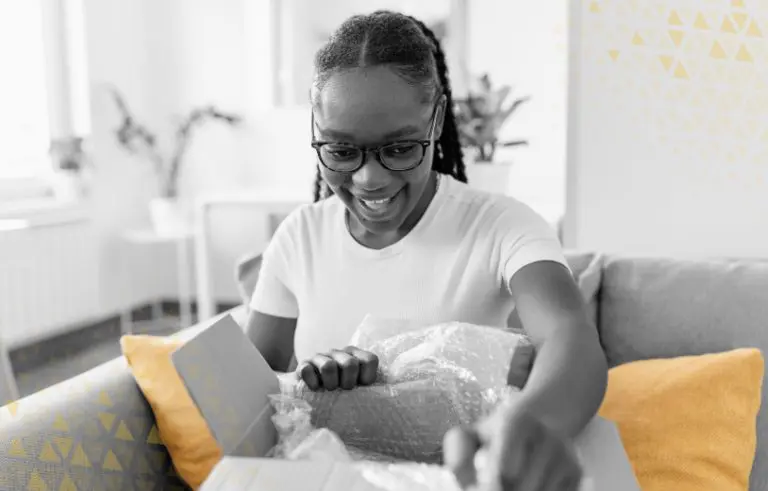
(525, 45)
(168, 57)
(669, 146)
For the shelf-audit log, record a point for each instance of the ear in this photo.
(442, 108)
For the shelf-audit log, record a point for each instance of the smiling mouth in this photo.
(377, 205)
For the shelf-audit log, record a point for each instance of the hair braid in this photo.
(452, 160)
(411, 50)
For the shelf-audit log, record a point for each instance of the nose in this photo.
(372, 175)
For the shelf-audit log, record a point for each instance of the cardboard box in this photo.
(230, 382)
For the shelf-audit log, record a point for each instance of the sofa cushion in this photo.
(182, 428)
(94, 431)
(708, 443)
(660, 308)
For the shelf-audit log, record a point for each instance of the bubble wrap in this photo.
(430, 380)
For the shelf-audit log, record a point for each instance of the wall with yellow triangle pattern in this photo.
(670, 141)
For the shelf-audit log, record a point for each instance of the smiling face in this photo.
(370, 107)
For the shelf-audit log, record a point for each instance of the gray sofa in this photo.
(97, 431)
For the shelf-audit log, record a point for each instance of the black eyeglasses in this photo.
(396, 156)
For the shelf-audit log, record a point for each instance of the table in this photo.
(182, 241)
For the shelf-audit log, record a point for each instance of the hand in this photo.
(345, 368)
(511, 451)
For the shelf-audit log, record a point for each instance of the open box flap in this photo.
(230, 382)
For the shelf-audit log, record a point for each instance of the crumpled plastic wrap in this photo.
(430, 379)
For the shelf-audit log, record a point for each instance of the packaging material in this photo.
(235, 391)
(430, 380)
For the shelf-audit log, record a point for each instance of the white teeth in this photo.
(376, 204)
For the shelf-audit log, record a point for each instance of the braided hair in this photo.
(413, 52)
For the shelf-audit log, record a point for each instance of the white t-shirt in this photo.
(454, 265)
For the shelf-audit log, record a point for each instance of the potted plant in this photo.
(70, 166)
(165, 210)
(480, 118)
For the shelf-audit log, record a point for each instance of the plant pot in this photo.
(492, 177)
(168, 216)
(68, 186)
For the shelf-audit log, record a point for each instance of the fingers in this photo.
(369, 365)
(524, 455)
(510, 436)
(459, 448)
(309, 374)
(345, 368)
(328, 370)
(349, 368)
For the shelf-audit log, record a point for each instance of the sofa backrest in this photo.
(660, 308)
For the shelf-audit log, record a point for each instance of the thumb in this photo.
(459, 448)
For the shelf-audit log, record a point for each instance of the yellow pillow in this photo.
(688, 423)
(186, 435)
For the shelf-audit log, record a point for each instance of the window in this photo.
(24, 128)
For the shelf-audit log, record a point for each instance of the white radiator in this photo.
(49, 277)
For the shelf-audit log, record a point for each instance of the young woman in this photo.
(396, 232)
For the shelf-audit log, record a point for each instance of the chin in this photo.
(383, 221)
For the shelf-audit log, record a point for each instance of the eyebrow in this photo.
(392, 135)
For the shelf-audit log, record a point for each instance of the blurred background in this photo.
(149, 145)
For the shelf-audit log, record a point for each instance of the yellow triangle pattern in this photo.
(48, 454)
(67, 484)
(154, 436)
(717, 51)
(667, 61)
(677, 37)
(674, 19)
(123, 433)
(111, 463)
(104, 399)
(13, 408)
(743, 54)
(17, 449)
(740, 18)
(700, 22)
(728, 26)
(594, 7)
(637, 40)
(680, 71)
(36, 483)
(60, 424)
(79, 458)
(63, 444)
(754, 30)
(107, 420)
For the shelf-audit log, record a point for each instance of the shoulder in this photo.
(496, 212)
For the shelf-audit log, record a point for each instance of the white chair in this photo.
(229, 228)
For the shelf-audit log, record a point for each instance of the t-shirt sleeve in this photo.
(526, 238)
(274, 292)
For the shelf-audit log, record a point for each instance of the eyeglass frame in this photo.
(425, 143)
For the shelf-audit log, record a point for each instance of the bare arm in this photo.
(567, 382)
(273, 337)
